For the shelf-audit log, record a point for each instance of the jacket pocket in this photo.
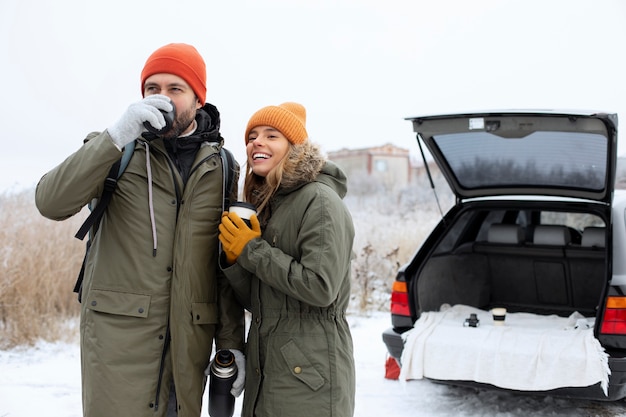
(204, 313)
(300, 366)
(117, 302)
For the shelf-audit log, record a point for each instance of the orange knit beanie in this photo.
(178, 59)
(288, 118)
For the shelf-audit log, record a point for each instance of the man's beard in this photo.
(182, 121)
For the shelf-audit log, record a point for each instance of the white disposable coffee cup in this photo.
(499, 314)
(243, 209)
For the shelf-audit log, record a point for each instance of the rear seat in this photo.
(546, 276)
(587, 267)
(505, 233)
(550, 265)
(594, 237)
(551, 235)
(510, 270)
(528, 276)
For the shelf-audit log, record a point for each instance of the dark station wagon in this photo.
(536, 228)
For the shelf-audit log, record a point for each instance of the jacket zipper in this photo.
(167, 331)
(166, 346)
(168, 335)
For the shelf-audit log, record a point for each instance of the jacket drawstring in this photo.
(150, 200)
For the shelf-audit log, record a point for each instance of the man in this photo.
(152, 300)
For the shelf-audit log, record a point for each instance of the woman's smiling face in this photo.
(266, 147)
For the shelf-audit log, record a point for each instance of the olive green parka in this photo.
(295, 280)
(152, 272)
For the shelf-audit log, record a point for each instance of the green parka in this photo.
(295, 279)
(141, 287)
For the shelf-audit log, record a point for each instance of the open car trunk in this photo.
(542, 260)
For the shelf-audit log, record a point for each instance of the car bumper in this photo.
(393, 341)
(617, 380)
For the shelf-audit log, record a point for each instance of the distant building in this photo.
(388, 164)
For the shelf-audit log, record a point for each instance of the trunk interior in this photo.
(535, 261)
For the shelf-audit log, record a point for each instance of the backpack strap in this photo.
(93, 220)
(228, 166)
(109, 187)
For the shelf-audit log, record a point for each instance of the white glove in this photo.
(239, 382)
(130, 125)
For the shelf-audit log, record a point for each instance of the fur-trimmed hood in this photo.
(306, 164)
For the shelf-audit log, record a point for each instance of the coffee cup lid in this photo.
(243, 204)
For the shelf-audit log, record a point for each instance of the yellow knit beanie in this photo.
(288, 118)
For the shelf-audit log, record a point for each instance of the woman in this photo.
(291, 269)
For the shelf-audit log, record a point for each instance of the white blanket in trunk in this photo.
(529, 353)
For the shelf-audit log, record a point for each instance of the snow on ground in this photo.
(45, 381)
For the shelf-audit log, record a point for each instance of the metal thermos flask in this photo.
(222, 376)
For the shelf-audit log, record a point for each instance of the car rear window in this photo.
(548, 159)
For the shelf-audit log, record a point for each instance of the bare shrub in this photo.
(389, 228)
(370, 274)
(40, 260)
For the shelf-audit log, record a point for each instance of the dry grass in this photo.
(40, 260)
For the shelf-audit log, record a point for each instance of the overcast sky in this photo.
(358, 66)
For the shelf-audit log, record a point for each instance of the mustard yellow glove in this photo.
(235, 234)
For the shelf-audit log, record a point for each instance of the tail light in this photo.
(614, 320)
(400, 299)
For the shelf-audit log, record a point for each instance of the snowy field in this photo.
(45, 381)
